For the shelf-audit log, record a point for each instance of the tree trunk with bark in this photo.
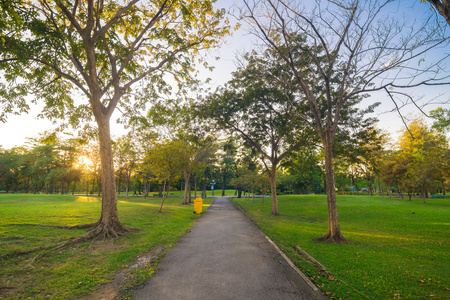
(187, 178)
(334, 234)
(108, 224)
(422, 193)
(165, 193)
(223, 183)
(273, 189)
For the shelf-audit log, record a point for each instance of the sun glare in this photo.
(84, 161)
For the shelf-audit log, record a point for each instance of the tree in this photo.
(101, 50)
(424, 152)
(257, 109)
(442, 119)
(10, 169)
(337, 51)
(126, 159)
(165, 162)
(393, 170)
(304, 166)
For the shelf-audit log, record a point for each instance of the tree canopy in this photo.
(84, 59)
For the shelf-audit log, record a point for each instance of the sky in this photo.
(18, 129)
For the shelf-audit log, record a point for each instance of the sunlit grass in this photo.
(80, 269)
(399, 249)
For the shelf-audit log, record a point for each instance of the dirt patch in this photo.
(112, 290)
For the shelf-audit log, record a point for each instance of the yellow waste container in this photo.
(198, 205)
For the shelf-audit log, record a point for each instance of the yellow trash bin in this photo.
(198, 205)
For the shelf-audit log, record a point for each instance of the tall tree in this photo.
(257, 109)
(100, 50)
(338, 50)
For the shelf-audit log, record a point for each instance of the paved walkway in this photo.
(225, 256)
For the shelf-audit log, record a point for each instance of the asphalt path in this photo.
(225, 256)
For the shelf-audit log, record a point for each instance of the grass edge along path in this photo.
(79, 270)
(398, 250)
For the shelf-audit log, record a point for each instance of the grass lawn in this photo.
(399, 249)
(79, 270)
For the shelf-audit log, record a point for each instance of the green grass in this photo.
(80, 269)
(394, 253)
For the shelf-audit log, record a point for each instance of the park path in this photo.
(225, 256)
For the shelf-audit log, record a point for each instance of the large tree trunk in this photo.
(109, 224)
(334, 234)
(273, 189)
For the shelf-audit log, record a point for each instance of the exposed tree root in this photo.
(333, 239)
(82, 226)
(101, 232)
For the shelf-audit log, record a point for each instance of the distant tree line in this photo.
(418, 164)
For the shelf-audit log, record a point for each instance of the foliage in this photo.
(307, 170)
(420, 163)
(258, 109)
(101, 51)
(442, 119)
(337, 52)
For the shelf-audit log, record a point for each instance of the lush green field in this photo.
(80, 269)
(399, 249)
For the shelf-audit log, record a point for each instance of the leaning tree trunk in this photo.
(334, 234)
(273, 189)
(165, 193)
